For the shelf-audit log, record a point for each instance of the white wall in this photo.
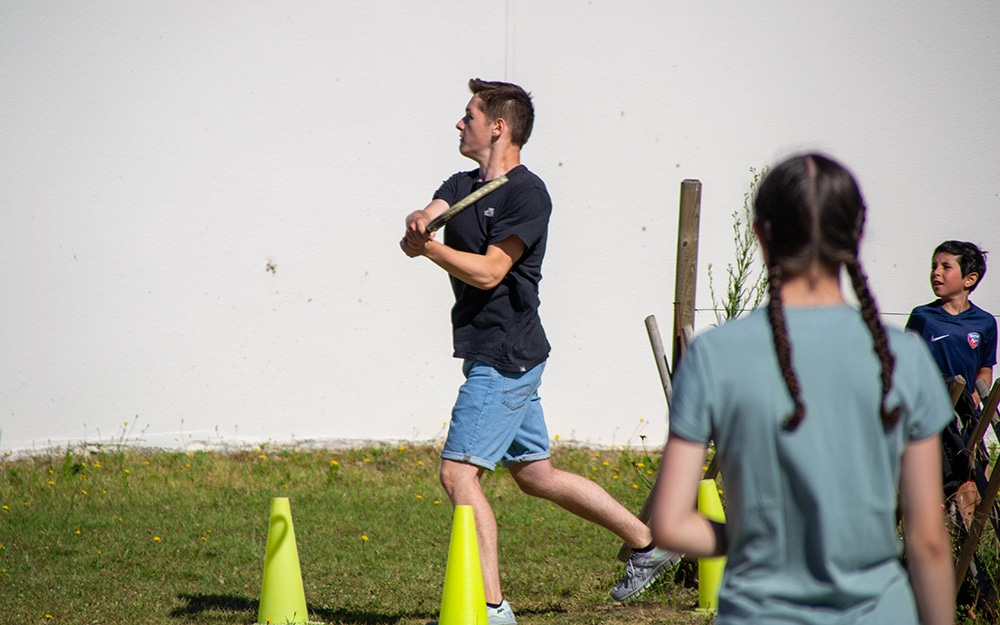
(156, 156)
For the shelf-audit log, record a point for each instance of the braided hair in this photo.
(808, 210)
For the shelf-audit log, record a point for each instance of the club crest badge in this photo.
(488, 212)
(973, 339)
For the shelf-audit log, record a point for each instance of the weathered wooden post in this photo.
(686, 280)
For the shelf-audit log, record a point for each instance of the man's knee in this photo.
(456, 476)
(533, 478)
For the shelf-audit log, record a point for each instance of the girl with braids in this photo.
(821, 417)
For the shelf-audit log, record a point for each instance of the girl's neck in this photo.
(813, 289)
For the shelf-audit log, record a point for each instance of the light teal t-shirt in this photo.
(810, 513)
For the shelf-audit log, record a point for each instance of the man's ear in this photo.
(970, 279)
(499, 126)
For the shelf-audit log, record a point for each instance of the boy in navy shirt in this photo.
(963, 341)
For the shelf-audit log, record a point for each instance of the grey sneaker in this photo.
(641, 571)
(500, 615)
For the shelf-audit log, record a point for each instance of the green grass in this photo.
(116, 535)
(120, 535)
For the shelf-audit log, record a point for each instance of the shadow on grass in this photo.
(195, 605)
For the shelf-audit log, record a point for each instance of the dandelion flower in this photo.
(634, 485)
(156, 539)
(402, 448)
(606, 463)
(420, 463)
(639, 464)
(368, 459)
(420, 496)
(77, 532)
(437, 502)
(5, 508)
(364, 537)
(334, 463)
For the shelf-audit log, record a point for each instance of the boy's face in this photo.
(947, 280)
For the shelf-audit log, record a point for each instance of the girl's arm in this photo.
(928, 546)
(675, 521)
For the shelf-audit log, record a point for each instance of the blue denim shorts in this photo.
(497, 418)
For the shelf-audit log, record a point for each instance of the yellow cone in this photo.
(710, 569)
(464, 599)
(282, 598)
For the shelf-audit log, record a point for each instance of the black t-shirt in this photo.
(500, 326)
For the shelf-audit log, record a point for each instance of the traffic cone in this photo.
(282, 598)
(464, 599)
(710, 569)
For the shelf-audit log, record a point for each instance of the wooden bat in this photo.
(438, 222)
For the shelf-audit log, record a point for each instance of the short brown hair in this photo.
(509, 101)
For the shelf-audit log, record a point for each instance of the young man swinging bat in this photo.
(493, 253)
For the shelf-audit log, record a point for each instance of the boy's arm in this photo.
(986, 375)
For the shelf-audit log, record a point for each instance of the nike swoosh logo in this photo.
(935, 339)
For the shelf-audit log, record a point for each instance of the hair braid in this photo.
(869, 312)
(782, 346)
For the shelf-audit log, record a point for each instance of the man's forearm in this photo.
(478, 270)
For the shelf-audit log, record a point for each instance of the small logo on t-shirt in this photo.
(488, 212)
(935, 339)
(973, 339)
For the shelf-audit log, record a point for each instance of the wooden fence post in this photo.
(686, 280)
